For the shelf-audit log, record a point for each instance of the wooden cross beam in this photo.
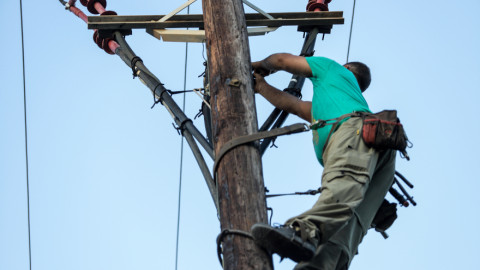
(324, 18)
(157, 27)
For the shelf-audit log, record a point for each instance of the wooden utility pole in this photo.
(241, 192)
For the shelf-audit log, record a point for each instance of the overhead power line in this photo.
(351, 28)
(181, 155)
(26, 137)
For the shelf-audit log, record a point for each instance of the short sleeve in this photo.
(319, 66)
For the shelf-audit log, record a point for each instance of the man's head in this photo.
(361, 72)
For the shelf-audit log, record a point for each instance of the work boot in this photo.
(284, 241)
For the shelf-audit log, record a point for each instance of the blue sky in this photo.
(104, 167)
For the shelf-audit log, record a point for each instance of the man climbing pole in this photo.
(355, 178)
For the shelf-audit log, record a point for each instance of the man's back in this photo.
(335, 93)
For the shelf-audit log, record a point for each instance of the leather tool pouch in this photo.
(383, 130)
(385, 216)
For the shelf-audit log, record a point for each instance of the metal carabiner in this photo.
(318, 124)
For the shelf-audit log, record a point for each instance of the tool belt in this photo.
(381, 130)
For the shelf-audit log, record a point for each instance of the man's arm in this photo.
(297, 65)
(283, 100)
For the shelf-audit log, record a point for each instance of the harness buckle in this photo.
(318, 124)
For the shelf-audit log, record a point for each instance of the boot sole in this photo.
(287, 246)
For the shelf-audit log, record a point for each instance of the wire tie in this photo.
(133, 65)
(181, 128)
(155, 101)
(273, 144)
(176, 128)
(200, 113)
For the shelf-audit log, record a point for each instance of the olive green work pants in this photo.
(355, 180)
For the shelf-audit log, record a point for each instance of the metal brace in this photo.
(246, 2)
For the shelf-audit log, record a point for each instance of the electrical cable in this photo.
(351, 27)
(181, 154)
(26, 138)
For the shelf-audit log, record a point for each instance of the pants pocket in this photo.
(361, 178)
(344, 187)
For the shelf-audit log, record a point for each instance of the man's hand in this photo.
(281, 99)
(263, 68)
(259, 82)
(296, 65)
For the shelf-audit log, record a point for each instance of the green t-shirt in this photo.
(335, 93)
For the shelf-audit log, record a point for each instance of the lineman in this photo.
(355, 178)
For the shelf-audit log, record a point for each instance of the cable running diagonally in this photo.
(181, 154)
(26, 138)
(351, 28)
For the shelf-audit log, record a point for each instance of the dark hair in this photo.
(362, 73)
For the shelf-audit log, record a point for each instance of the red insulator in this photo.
(106, 44)
(318, 5)
(79, 13)
(93, 7)
(113, 45)
(97, 39)
(108, 12)
(106, 47)
(84, 2)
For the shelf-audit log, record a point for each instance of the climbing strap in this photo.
(295, 128)
(308, 192)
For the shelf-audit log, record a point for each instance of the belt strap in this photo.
(295, 128)
(321, 123)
